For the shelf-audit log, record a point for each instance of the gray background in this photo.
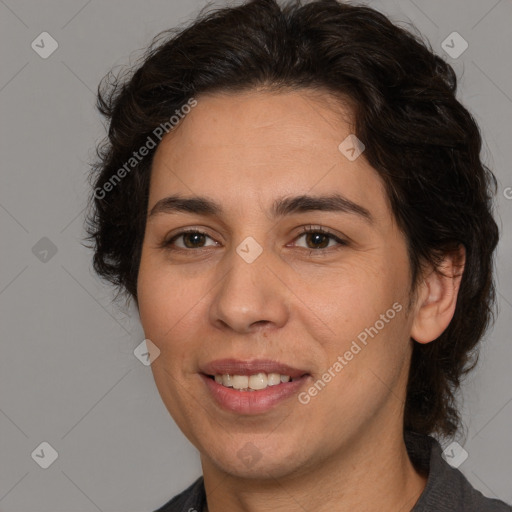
(68, 375)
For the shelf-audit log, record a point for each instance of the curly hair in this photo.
(421, 140)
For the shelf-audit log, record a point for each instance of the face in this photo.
(270, 285)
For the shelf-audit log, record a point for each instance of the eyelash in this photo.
(168, 244)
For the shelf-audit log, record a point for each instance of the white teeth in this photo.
(240, 381)
(274, 379)
(251, 382)
(226, 381)
(258, 381)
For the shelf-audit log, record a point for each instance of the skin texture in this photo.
(296, 303)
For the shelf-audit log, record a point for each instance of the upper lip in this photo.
(250, 367)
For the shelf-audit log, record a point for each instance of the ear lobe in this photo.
(437, 297)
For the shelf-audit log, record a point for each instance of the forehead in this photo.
(259, 144)
(256, 119)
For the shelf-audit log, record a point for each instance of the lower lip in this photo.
(252, 402)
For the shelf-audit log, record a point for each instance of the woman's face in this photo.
(253, 290)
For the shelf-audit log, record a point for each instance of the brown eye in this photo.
(318, 238)
(190, 240)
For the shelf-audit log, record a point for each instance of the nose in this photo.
(250, 296)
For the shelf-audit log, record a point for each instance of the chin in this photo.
(247, 461)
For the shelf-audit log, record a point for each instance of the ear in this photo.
(437, 297)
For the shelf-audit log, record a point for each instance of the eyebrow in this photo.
(281, 207)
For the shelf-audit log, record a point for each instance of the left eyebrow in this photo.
(281, 207)
(332, 203)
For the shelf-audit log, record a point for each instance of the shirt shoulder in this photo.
(447, 488)
(192, 499)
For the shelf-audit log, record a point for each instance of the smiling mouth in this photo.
(253, 382)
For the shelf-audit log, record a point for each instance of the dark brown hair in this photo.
(423, 143)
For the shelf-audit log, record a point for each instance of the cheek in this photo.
(365, 309)
(163, 297)
(354, 295)
(173, 311)
(166, 311)
(366, 368)
(154, 302)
